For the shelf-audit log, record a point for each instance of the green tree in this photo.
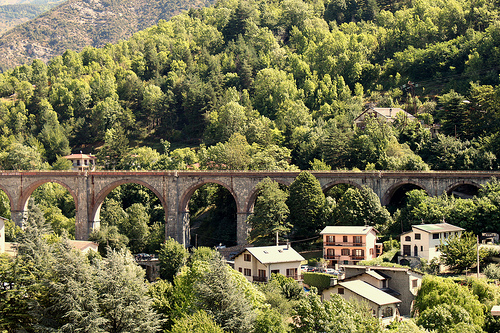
(115, 147)
(460, 252)
(336, 315)
(306, 201)
(270, 213)
(361, 207)
(441, 304)
(198, 322)
(172, 256)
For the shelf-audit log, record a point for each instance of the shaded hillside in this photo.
(13, 13)
(79, 23)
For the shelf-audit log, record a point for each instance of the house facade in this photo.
(424, 240)
(400, 282)
(349, 244)
(383, 305)
(258, 263)
(82, 162)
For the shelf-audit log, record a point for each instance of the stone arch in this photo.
(328, 186)
(96, 206)
(23, 202)
(386, 198)
(449, 189)
(250, 201)
(11, 202)
(186, 195)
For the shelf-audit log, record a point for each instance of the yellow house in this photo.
(423, 240)
(383, 305)
(258, 263)
(349, 244)
(386, 115)
(82, 162)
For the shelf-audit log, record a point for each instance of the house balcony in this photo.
(259, 279)
(331, 257)
(343, 244)
(357, 258)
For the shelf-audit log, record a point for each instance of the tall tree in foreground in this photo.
(172, 257)
(306, 202)
(270, 213)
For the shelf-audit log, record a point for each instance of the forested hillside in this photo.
(79, 23)
(269, 85)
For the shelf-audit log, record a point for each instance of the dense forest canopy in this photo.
(279, 78)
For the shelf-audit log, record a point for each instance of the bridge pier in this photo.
(186, 230)
(19, 217)
(242, 227)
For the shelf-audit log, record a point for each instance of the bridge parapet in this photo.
(174, 189)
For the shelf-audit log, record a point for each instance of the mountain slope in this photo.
(16, 12)
(79, 23)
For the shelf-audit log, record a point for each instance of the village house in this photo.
(387, 115)
(349, 244)
(424, 240)
(258, 263)
(400, 282)
(382, 304)
(82, 162)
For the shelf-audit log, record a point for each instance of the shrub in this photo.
(318, 280)
(492, 271)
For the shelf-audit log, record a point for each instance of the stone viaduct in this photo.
(174, 189)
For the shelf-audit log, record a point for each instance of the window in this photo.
(407, 239)
(247, 272)
(371, 251)
(387, 312)
(240, 270)
(340, 291)
(406, 250)
(358, 253)
(357, 240)
(417, 236)
(262, 273)
(275, 271)
(345, 252)
(344, 239)
(330, 252)
(291, 272)
(435, 236)
(330, 239)
(421, 248)
(247, 257)
(414, 283)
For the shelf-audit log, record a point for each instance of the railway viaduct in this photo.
(174, 189)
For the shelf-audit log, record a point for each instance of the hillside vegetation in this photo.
(269, 85)
(79, 23)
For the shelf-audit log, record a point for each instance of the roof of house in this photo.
(369, 292)
(80, 157)
(83, 245)
(389, 113)
(274, 254)
(436, 228)
(379, 268)
(347, 230)
(3, 218)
